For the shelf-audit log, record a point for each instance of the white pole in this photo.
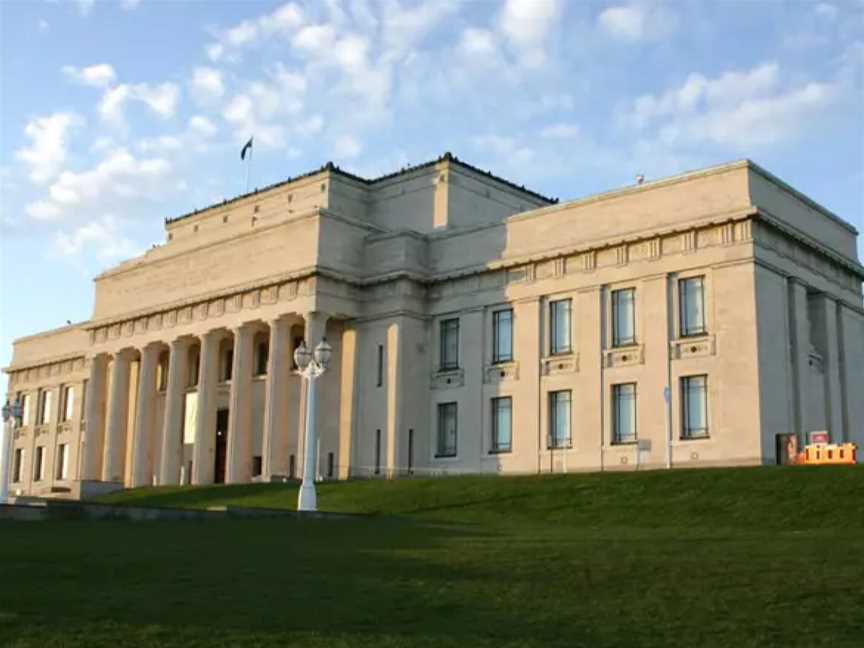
(307, 499)
(5, 456)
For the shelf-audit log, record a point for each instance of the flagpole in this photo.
(248, 165)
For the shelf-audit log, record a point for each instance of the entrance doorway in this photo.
(221, 446)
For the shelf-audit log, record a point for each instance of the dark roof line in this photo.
(330, 166)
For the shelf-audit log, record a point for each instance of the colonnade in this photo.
(118, 397)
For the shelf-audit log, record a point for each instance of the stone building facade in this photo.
(476, 326)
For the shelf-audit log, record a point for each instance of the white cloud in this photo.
(283, 20)
(527, 25)
(207, 83)
(43, 25)
(43, 210)
(826, 11)
(637, 22)
(560, 131)
(478, 43)
(129, 5)
(119, 176)
(102, 234)
(346, 147)
(48, 139)
(98, 76)
(162, 99)
(84, 6)
(743, 109)
(202, 126)
(261, 108)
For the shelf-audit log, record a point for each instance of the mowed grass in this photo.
(731, 557)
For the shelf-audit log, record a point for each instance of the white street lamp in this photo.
(311, 369)
(11, 416)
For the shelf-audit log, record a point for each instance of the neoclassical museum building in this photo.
(477, 327)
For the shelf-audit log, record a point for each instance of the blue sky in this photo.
(115, 115)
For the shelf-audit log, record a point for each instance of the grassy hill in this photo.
(743, 557)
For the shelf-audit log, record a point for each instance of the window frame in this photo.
(494, 447)
(683, 329)
(61, 469)
(617, 341)
(380, 377)
(553, 442)
(617, 390)
(685, 431)
(553, 327)
(17, 465)
(262, 355)
(67, 414)
(39, 463)
(497, 358)
(445, 363)
(43, 406)
(441, 432)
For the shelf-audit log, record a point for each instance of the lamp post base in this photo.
(307, 499)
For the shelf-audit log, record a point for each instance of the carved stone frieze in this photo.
(693, 347)
(501, 372)
(560, 364)
(448, 379)
(625, 356)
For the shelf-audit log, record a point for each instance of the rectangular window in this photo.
(623, 317)
(410, 451)
(624, 413)
(502, 336)
(292, 466)
(262, 357)
(331, 464)
(502, 424)
(162, 373)
(691, 295)
(18, 465)
(377, 452)
(450, 343)
(559, 326)
(83, 399)
(45, 401)
(257, 465)
(194, 366)
(447, 430)
(559, 419)
(25, 409)
(62, 466)
(694, 407)
(39, 463)
(380, 365)
(67, 403)
(228, 364)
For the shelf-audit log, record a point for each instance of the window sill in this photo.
(698, 334)
(448, 456)
(692, 439)
(500, 452)
(618, 444)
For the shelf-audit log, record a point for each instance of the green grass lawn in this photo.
(738, 557)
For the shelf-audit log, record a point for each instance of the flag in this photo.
(246, 147)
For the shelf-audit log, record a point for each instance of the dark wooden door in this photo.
(221, 446)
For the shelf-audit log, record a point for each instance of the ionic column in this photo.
(172, 428)
(118, 415)
(239, 467)
(142, 449)
(94, 420)
(205, 433)
(275, 442)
